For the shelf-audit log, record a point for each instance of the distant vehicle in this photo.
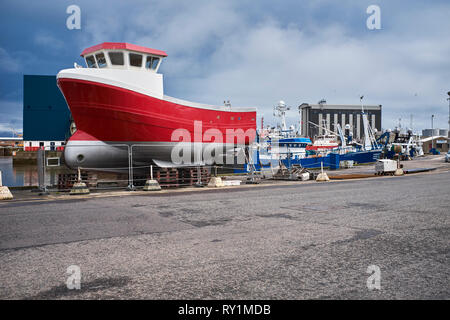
(447, 157)
(385, 167)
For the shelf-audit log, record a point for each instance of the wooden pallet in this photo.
(167, 177)
(189, 176)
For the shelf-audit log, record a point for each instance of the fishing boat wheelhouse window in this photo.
(101, 60)
(135, 60)
(90, 61)
(152, 62)
(116, 58)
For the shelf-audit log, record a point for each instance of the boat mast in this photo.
(341, 136)
(369, 139)
(367, 144)
(324, 128)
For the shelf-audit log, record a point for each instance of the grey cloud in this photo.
(218, 50)
(7, 62)
(49, 42)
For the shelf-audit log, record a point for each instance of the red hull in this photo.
(109, 113)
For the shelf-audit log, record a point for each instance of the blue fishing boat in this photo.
(283, 148)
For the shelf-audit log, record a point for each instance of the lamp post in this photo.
(360, 100)
(432, 132)
(448, 111)
(362, 116)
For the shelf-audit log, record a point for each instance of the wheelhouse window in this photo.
(101, 60)
(155, 63)
(148, 63)
(90, 61)
(116, 58)
(135, 60)
(151, 63)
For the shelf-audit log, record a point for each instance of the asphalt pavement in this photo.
(291, 241)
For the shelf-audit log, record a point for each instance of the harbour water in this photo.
(24, 174)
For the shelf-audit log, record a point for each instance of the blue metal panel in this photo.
(45, 112)
(334, 161)
(294, 140)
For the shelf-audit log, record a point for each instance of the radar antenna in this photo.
(280, 111)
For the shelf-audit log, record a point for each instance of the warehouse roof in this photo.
(434, 138)
(340, 106)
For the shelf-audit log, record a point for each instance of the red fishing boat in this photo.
(119, 107)
(324, 143)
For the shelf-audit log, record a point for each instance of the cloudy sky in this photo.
(251, 52)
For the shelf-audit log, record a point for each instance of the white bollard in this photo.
(322, 175)
(5, 194)
(151, 185)
(79, 187)
(215, 182)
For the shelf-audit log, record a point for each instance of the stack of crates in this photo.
(167, 177)
(189, 176)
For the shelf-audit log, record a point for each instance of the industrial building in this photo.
(440, 143)
(329, 115)
(435, 132)
(46, 117)
(8, 144)
(11, 142)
